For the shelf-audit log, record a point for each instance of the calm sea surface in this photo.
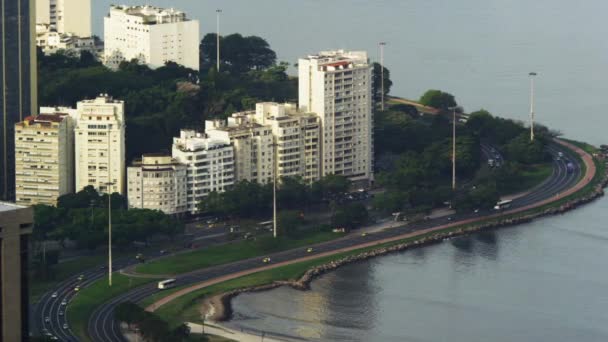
(544, 281)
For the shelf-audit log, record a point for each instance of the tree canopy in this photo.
(438, 99)
(238, 54)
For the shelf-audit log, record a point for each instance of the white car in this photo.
(54, 295)
(64, 302)
(65, 326)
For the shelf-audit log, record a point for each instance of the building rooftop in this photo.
(151, 15)
(5, 206)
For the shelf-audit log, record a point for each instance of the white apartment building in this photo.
(252, 142)
(157, 182)
(152, 35)
(100, 144)
(52, 41)
(44, 157)
(210, 164)
(65, 16)
(296, 135)
(337, 86)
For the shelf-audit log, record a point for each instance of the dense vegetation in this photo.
(159, 102)
(83, 219)
(413, 157)
(151, 327)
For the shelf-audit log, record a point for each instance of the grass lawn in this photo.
(82, 306)
(534, 175)
(217, 255)
(61, 272)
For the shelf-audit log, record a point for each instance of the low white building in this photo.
(100, 144)
(157, 182)
(52, 41)
(151, 35)
(209, 161)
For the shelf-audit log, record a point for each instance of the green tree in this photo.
(377, 82)
(237, 53)
(350, 216)
(438, 99)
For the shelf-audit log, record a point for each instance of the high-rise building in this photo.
(337, 86)
(252, 142)
(16, 224)
(100, 145)
(18, 85)
(158, 182)
(65, 16)
(272, 128)
(44, 157)
(296, 135)
(210, 163)
(151, 35)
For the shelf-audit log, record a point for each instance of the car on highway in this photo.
(309, 250)
(77, 288)
(61, 313)
(363, 234)
(54, 338)
(64, 302)
(266, 260)
(54, 295)
(47, 319)
(65, 326)
(450, 218)
(81, 277)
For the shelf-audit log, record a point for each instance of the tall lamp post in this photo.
(532, 75)
(453, 148)
(274, 189)
(382, 45)
(217, 36)
(109, 185)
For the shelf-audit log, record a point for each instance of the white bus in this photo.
(503, 204)
(166, 284)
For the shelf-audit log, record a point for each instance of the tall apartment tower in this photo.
(100, 145)
(337, 86)
(296, 135)
(18, 86)
(152, 35)
(158, 182)
(65, 16)
(44, 158)
(209, 161)
(252, 142)
(16, 223)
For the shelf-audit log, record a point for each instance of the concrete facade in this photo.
(66, 16)
(52, 41)
(152, 35)
(337, 86)
(100, 144)
(158, 182)
(16, 224)
(252, 143)
(209, 161)
(44, 158)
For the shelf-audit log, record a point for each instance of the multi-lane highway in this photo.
(102, 327)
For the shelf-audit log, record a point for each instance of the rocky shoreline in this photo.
(219, 308)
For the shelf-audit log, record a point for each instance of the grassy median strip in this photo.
(223, 254)
(89, 298)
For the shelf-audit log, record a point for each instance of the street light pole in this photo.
(217, 36)
(274, 190)
(454, 148)
(109, 184)
(532, 74)
(382, 44)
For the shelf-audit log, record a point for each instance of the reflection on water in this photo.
(542, 281)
